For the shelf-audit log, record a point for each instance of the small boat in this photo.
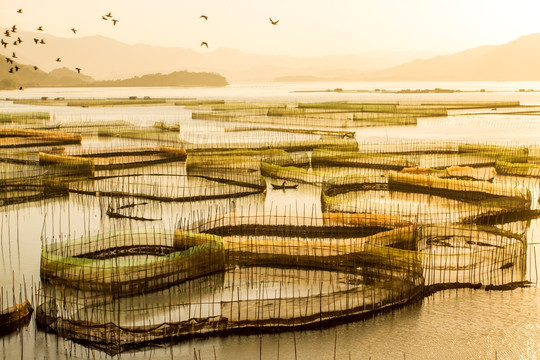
(286, 186)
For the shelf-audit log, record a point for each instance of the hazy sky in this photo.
(306, 28)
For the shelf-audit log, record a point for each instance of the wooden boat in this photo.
(280, 186)
(15, 316)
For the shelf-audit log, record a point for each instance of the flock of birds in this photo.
(204, 43)
(13, 30)
(38, 41)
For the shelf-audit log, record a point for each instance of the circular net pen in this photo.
(174, 187)
(424, 198)
(243, 274)
(472, 256)
(123, 263)
(23, 184)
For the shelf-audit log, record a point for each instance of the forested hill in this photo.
(177, 78)
(27, 76)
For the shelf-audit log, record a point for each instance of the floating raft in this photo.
(323, 157)
(25, 118)
(517, 169)
(16, 138)
(60, 101)
(117, 158)
(150, 135)
(455, 172)
(459, 189)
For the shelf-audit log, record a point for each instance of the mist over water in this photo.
(452, 324)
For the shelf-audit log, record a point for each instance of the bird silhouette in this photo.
(204, 43)
(35, 68)
(21, 88)
(19, 40)
(104, 17)
(40, 28)
(204, 17)
(273, 22)
(74, 30)
(14, 56)
(36, 40)
(109, 14)
(19, 11)
(6, 33)
(16, 68)
(42, 41)
(58, 60)
(115, 21)
(3, 43)
(10, 70)
(14, 28)
(78, 70)
(8, 60)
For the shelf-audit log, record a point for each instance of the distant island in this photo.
(27, 77)
(177, 78)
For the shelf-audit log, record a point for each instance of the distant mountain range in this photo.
(517, 60)
(108, 60)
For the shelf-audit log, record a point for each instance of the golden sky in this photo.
(306, 28)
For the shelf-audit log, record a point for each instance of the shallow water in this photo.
(458, 324)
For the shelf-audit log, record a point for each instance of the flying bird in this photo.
(74, 30)
(42, 41)
(58, 60)
(14, 56)
(14, 28)
(40, 28)
(78, 70)
(204, 17)
(35, 68)
(10, 70)
(17, 68)
(273, 22)
(104, 17)
(36, 40)
(19, 11)
(19, 40)
(109, 14)
(115, 21)
(3, 43)
(204, 43)
(21, 88)
(8, 60)
(7, 33)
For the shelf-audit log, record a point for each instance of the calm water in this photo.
(462, 324)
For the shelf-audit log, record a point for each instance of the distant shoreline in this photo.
(404, 91)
